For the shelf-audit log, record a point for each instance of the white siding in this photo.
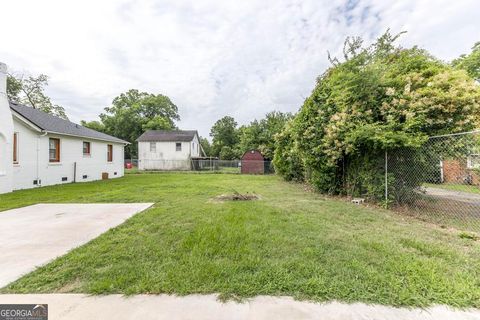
(195, 145)
(26, 170)
(165, 156)
(33, 159)
(6, 135)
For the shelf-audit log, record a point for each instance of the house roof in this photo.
(168, 135)
(50, 123)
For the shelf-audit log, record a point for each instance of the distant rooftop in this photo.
(54, 124)
(168, 135)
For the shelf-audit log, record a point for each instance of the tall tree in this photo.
(224, 134)
(133, 112)
(470, 62)
(30, 91)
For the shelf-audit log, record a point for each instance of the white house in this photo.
(168, 149)
(39, 149)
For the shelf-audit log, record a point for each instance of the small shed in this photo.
(253, 162)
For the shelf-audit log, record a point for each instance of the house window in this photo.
(153, 147)
(54, 150)
(178, 146)
(15, 147)
(473, 161)
(86, 148)
(109, 153)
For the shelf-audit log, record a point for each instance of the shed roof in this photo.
(50, 123)
(253, 154)
(168, 135)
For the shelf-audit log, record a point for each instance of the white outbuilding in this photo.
(168, 149)
(39, 149)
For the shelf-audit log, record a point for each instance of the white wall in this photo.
(195, 145)
(165, 156)
(33, 159)
(6, 135)
(27, 145)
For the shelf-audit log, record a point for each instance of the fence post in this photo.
(386, 179)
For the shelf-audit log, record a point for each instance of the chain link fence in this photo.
(438, 182)
(203, 165)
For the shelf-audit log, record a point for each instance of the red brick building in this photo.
(459, 171)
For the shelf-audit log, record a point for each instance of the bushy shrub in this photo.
(380, 98)
(286, 160)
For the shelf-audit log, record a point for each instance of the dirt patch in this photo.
(236, 196)
(70, 286)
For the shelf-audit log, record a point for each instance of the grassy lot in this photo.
(455, 187)
(290, 242)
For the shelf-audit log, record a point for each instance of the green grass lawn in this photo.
(455, 187)
(290, 242)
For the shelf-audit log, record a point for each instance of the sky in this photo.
(212, 58)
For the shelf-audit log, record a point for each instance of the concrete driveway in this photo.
(34, 235)
(466, 197)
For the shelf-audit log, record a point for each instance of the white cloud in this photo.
(213, 58)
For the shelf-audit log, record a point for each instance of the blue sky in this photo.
(212, 58)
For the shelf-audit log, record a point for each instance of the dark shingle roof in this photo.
(168, 135)
(51, 123)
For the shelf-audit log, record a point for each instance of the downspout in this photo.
(75, 172)
(39, 181)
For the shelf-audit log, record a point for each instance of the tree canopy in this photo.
(260, 135)
(94, 125)
(30, 91)
(224, 137)
(134, 112)
(231, 142)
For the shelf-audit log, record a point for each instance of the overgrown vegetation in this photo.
(381, 97)
(288, 243)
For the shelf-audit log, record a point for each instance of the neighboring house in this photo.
(461, 171)
(168, 149)
(39, 149)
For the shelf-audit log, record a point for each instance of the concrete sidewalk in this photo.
(34, 235)
(198, 307)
